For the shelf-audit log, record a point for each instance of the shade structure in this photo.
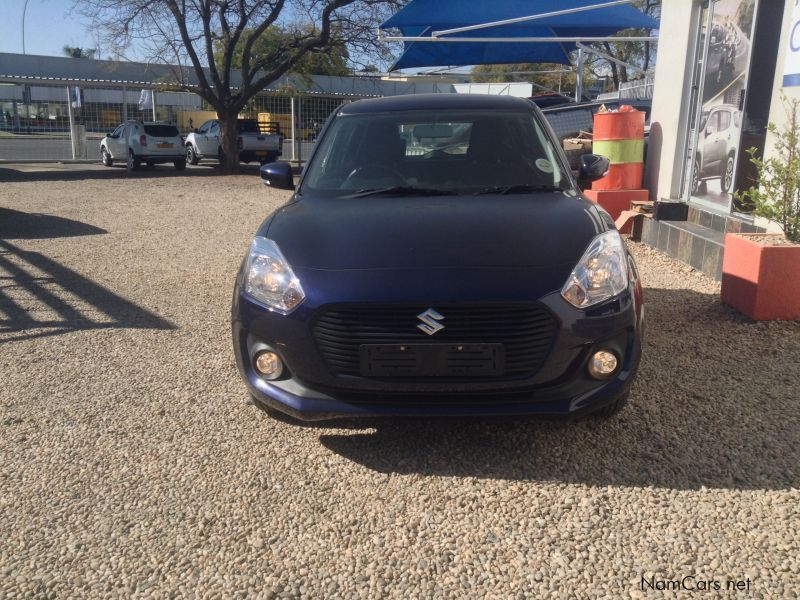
(421, 18)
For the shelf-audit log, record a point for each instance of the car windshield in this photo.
(248, 127)
(161, 130)
(455, 152)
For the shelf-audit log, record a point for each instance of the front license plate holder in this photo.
(432, 360)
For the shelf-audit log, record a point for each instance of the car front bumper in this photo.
(560, 387)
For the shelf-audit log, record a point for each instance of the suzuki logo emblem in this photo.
(430, 321)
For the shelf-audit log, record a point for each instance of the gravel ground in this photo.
(133, 464)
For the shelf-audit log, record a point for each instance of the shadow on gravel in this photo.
(17, 225)
(40, 297)
(715, 405)
(80, 172)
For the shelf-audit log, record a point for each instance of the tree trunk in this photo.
(229, 140)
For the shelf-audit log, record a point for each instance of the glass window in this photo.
(204, 127)
(450, 151)
(118, 131)
(724, 120)
(248, 126)
(161, 130)
(213, 128)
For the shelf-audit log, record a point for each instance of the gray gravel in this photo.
(133, 464)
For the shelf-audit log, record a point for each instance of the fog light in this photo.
(268, 365)
(602, 364)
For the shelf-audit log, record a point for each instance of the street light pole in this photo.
(24, 9)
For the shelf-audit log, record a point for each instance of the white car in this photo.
(716, 148)
(253, 143)
(137, 142)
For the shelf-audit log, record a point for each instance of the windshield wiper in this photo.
(399, 190)
(520, 188)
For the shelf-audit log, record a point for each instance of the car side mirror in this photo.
(278, 175)
(593, 167)
(108, 135)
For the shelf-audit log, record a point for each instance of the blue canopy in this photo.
(422, 17)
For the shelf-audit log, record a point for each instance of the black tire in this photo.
(614, 407)
(106, 157)
(180, 165)
(133, 163)
(726, 179)
(191, 155)
(698, 185)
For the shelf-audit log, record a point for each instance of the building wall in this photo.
(679, 24)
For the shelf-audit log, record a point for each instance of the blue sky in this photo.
(49, 25)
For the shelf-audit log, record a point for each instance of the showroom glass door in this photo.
(718, 98)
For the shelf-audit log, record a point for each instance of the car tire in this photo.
(180, 165)
(191, 155)
(698, 185)
(106, 157)
(614, 407)
(133, 163)
(726, 179)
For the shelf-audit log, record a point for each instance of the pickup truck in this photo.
(254, 143)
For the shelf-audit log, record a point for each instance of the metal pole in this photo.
(566, 11)
(153, 98)
(294, 130)
(124, 104)
(579, 78)
(71, 121)
(24, 10)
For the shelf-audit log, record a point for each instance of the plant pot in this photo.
(761, 280)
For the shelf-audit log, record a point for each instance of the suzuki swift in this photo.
(437, 258)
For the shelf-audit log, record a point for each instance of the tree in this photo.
(195, 32)
(333, 61)
(76, 52)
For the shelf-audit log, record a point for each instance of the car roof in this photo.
(436, 102)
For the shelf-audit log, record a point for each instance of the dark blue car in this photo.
(437, 258)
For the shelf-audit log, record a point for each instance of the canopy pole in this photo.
(515, 40)
(579, 78)
(557, 13)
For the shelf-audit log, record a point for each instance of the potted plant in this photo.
(761, 272)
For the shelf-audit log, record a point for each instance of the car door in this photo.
(711, 149)
(201, 137)
(116, 143)
(213, 139)
(724, 136)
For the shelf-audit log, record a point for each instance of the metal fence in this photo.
(41, 122)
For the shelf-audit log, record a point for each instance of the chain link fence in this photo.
(42, 122)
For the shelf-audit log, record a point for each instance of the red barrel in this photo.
(619, 136)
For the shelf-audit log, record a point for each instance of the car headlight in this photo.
(269, 279)
(601, 273)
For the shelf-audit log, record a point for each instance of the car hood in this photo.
(522, 230)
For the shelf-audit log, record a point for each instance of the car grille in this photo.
(525, 330)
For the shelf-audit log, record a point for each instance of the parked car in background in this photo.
(464, 276)
(137, 142)
(254, 144)
(716, 147)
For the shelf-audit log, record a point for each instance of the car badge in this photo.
(430, 321)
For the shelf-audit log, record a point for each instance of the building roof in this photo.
(30, 68)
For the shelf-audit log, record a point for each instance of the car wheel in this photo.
(191, 155)
(107, 160)
(614, 407)
(726, 181)
(133, 163)
(180, 165)
(697, 183)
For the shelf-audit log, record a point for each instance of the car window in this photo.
(724, 120)
(213, 129)
(161, 130)
(248, 126)
(118, 131)
(713, 123)
(448, 151)
(204, 127)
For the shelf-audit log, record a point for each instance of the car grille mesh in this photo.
(525, 330)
